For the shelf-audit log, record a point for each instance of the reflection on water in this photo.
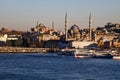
(54, 67)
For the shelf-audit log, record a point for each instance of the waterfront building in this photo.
(14, 43)
(108, 44)
(101, 30)
(4, 31)
(3, 37)
(14, 39)
(51, 44)
(116, 42)
(101, 42)
(111, 27)
(82, 44)
(10, 38)
(46, 37)
(108, 37)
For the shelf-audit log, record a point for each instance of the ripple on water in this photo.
(54, 67)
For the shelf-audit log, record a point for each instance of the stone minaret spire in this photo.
(66, 27)
(53, 25)
(90, 27)
(37, 23)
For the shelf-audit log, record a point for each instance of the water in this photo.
(54, 67)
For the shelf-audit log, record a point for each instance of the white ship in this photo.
(83, 53)
(92, 54)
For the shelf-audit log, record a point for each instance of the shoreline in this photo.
(23, 50)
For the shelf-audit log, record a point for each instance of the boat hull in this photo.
(83, 56)
(103, 56)
(116, 57)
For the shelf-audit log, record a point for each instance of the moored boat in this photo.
(103, 55)
(116, 54)
(116, 57)
(66, 52)
(93, 54)
(83, 56)
(79, 53)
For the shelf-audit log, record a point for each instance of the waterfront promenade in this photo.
(23, 50)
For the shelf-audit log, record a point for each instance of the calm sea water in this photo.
(54, 67)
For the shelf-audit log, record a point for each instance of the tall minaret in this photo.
(66, 27)
(53, 25)
(90, 27)
(37, 23)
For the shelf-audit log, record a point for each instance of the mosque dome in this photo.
(75, 29)
(41, 25)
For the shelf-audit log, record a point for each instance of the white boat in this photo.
(92, 54)
(116, 57)
(116, 54)
(83, 53)
(66, 52)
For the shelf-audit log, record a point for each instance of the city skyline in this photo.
(24, 14)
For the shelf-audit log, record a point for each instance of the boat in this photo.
(92, 54)
(66, 52)
(116, 54)
(116, 57)
(83, 53)
(103, 55)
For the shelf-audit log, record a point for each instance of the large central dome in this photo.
(75, 29)
(74, 32)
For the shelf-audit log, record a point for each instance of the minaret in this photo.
(37, 23)
(66, 27)
(90, 27)
(53, 25)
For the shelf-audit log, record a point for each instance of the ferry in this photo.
(103, 55)
(116, 57)
(92, 54)
(86, 53)
(83, 53)
(116, 54)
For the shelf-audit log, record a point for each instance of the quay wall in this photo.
(23, 50)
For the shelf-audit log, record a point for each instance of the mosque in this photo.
(74, 33)
(78, 38)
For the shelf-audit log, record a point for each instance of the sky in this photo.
(22, 15)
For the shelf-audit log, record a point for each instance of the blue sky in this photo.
(24, 14)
